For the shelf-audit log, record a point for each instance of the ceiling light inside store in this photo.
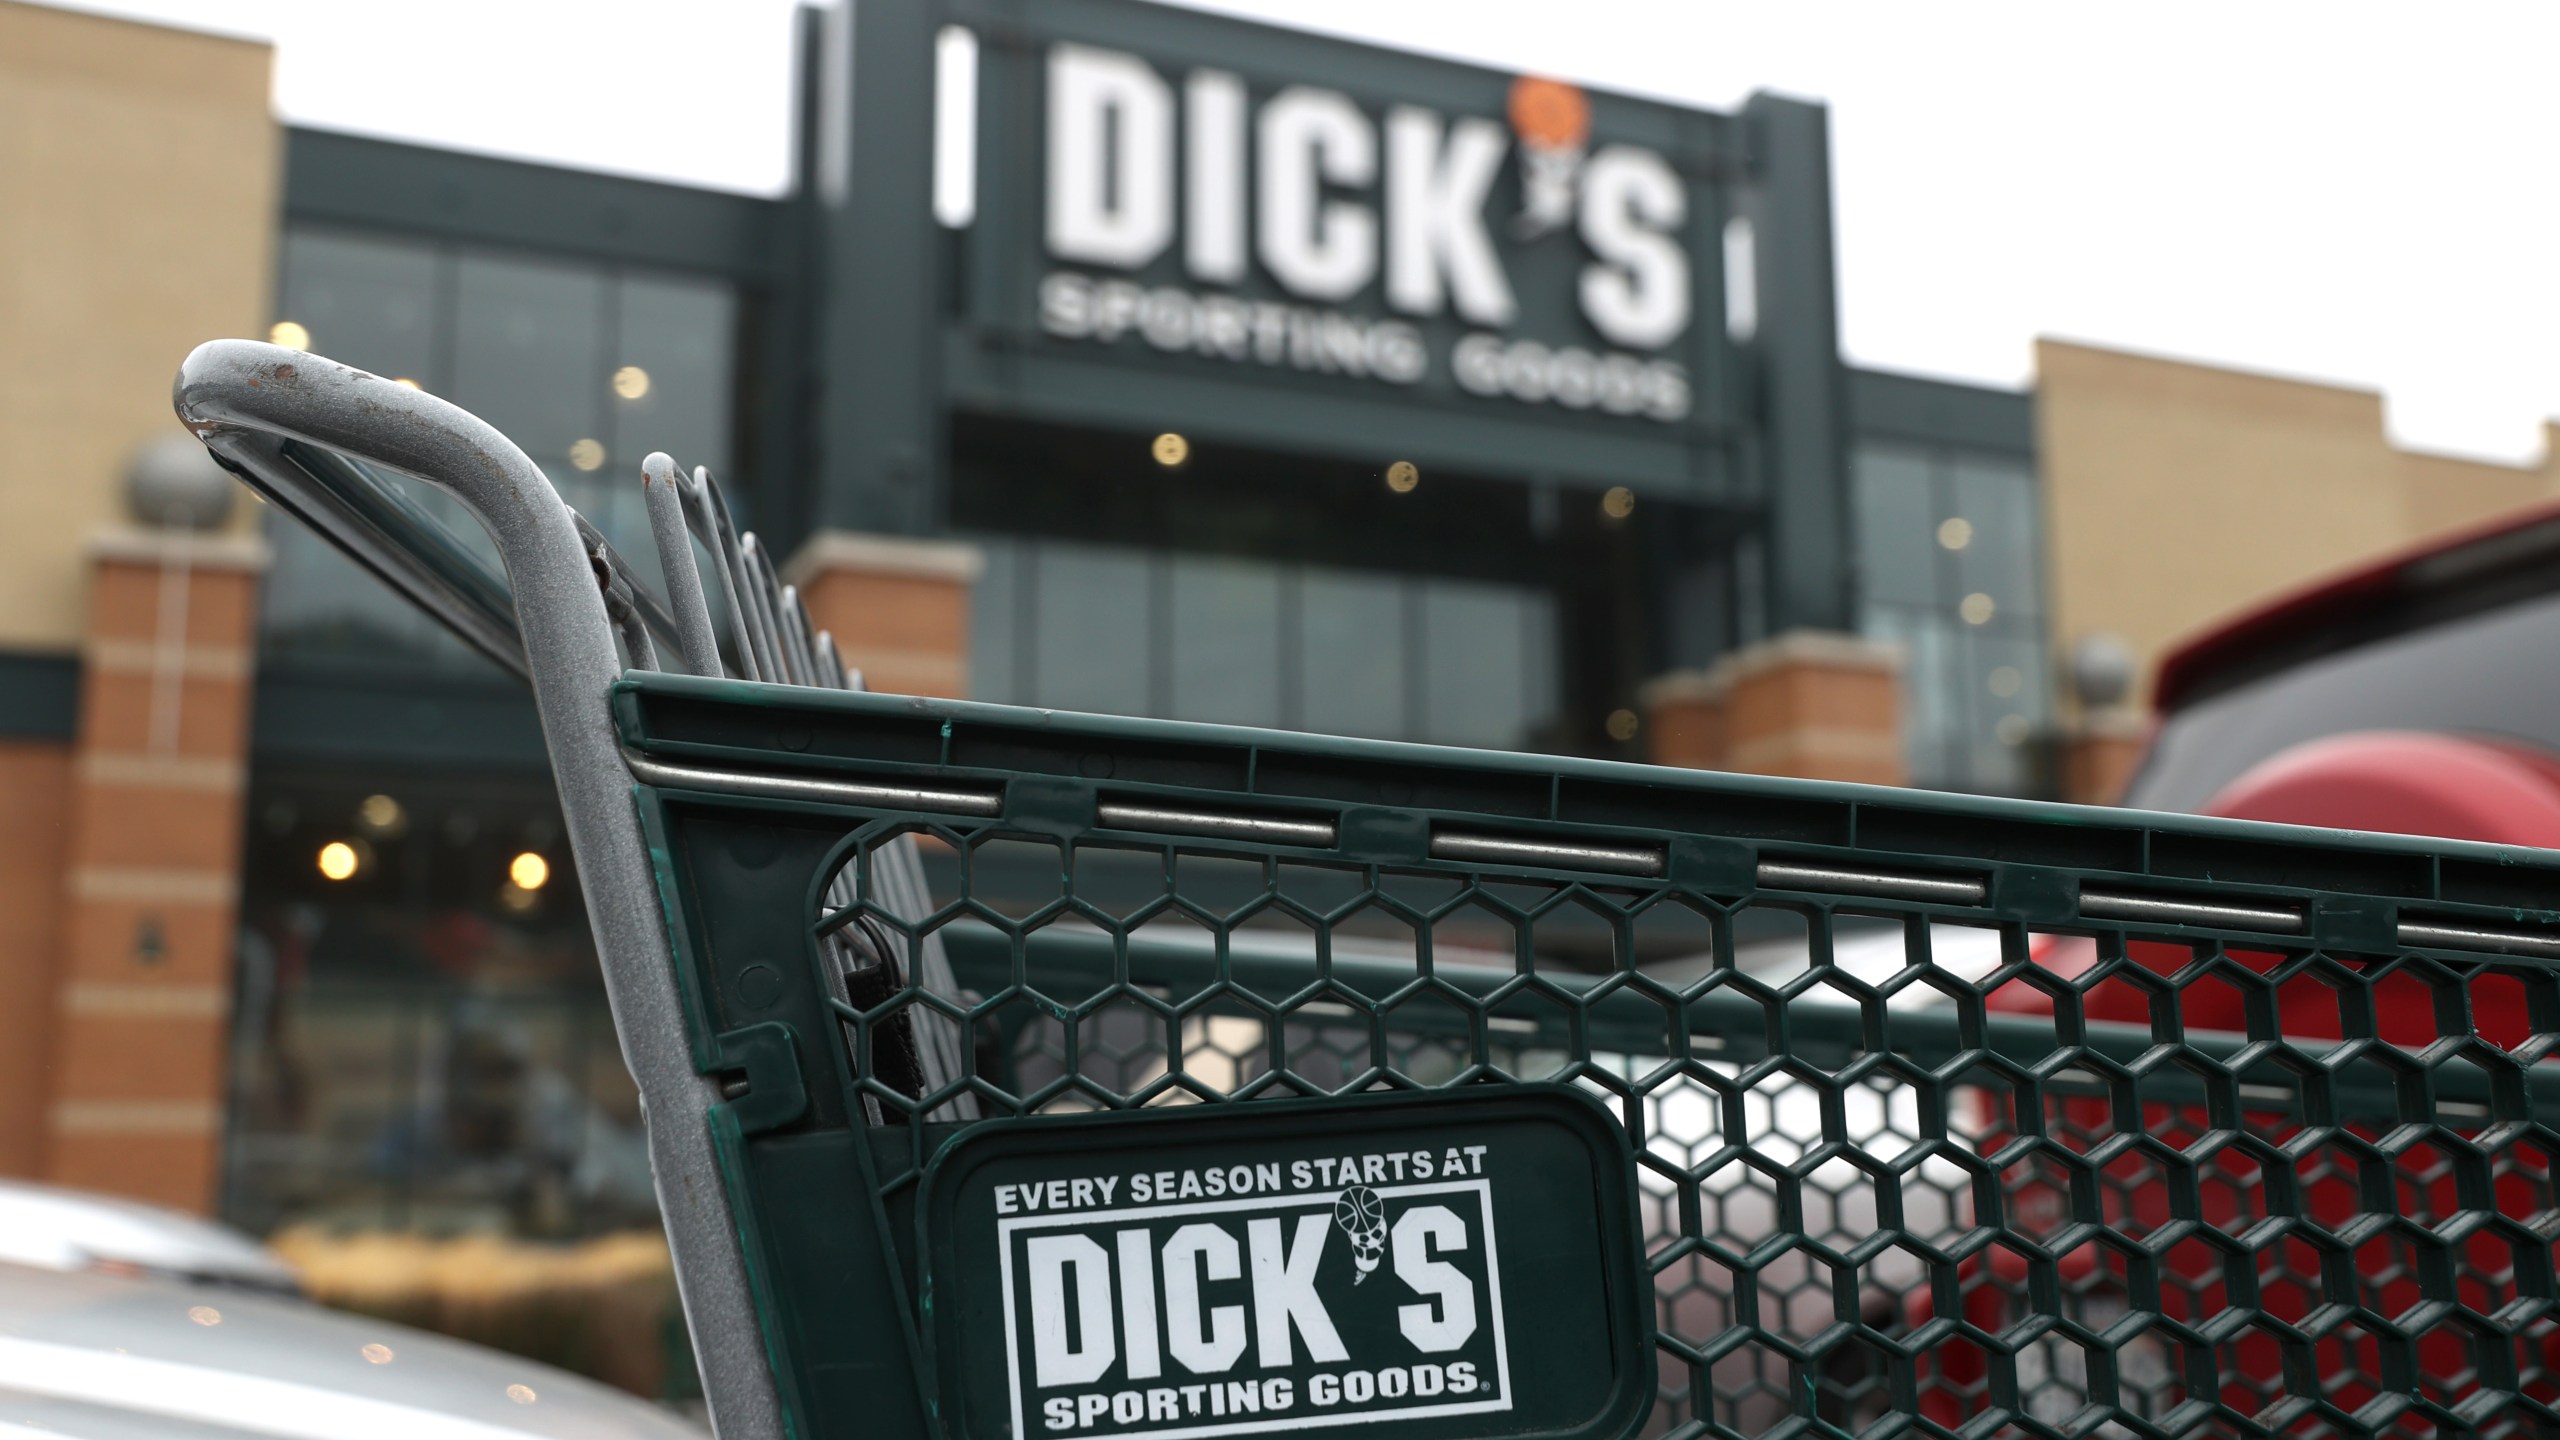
(529, 871)
(1402, 476)
(587, 454)
(1977, 609)
(338, 860)
(289, 335)
(1619, 503)
(630, 382)
(382, 815)
(1955, 532)
(1170, 449)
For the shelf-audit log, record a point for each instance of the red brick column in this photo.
(35, 805)
(152, 867)
(898, 608)
(2099, 753)
(1810, 704)
(1684, 719)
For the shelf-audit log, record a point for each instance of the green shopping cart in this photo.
(1016, 1074)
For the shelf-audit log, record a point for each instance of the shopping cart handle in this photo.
(275, 416)
(256, 409)
(250, 385)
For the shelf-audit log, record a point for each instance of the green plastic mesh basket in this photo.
(1941, 1112)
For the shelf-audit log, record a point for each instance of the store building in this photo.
(1106, 356)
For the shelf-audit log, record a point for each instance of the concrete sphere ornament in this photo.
(172, 483)
(2102, 670)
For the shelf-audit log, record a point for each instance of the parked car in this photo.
(2417, 692)
(119, 1319)
(2413, 695)
(58, 1229)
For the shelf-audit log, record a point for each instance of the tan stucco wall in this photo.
(2444, 492)
(138, 175)
(2177, 493)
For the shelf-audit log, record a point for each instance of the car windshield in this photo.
(2491, 673)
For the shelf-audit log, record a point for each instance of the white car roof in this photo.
(103, 1356)
(58, 1229)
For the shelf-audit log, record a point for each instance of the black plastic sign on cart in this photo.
(1460, 1265)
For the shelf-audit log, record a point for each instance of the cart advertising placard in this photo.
(1460, 1266)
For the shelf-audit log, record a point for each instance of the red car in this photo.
(2418, 695)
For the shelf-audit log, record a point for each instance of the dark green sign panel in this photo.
(1155, 219)
(1455, 1265)
(1253, 233)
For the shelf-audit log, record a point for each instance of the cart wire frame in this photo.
(1948, 1116)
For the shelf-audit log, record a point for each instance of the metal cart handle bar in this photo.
(272, 416)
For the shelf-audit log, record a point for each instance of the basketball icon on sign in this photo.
(1553, 121)
(1364, 1222)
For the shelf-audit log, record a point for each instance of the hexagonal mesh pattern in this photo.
(1901, 1172)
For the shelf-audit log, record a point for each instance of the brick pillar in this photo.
(1684, 719)
(35, 805)
(153, 867)
(898, 608)
(2099, 753)
(1811, 704)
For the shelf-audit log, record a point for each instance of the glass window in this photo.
(1997, 502)
(1949, 549)
(994, 623)
(369, 303)
(1931, 713)
(537, 347)
(664, 382)
(528, 355)
(1091, 608)
(372, 303)
(1476, 648)
(1238, 641)
(1351, 653)
(1225, 617)
(672, 370)
(422, 1042)
(2003, 712)
(1897, 527)
(1544, 665)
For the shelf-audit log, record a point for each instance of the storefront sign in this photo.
(1313, 234)
(1276, 1266)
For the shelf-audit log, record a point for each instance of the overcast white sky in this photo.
(2362, 193)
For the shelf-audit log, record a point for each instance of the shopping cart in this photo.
(1012, 1073)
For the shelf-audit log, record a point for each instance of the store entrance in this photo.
(1182, 578)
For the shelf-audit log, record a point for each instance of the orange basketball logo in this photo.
(1553, 121)
(1549, 114)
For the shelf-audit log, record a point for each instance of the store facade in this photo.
(1192, 368)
